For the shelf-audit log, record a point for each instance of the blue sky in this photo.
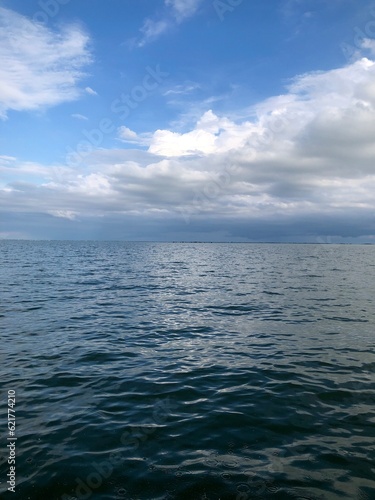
(209, 120)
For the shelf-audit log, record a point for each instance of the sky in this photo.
(188, 120)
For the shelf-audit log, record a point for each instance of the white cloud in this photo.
(63, 214)
(127, 135)
(308, 154)
(40, 67)
(177, 12)
(152, 29)
(77, 116)
(211, 135)
(6, 160)
(90, 91)
(183, 9)
(182, 89)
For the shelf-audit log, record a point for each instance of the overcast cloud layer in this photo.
(296, 166)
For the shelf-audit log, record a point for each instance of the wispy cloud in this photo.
(182, 89)
(127, 135)
(152, 29)
(176, 12)
(63, 214)
(90, 91)
(77, 116)
(183, 9)
(40, 67)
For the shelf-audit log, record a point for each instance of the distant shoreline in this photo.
(192, 242)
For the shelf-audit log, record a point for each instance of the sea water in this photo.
(188, 371)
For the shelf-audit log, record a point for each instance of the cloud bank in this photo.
(301, 164)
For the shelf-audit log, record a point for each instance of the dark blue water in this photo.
(188, 371)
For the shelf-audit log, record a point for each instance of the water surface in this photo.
(189, 371)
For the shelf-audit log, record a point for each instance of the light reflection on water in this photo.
(262, 357)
